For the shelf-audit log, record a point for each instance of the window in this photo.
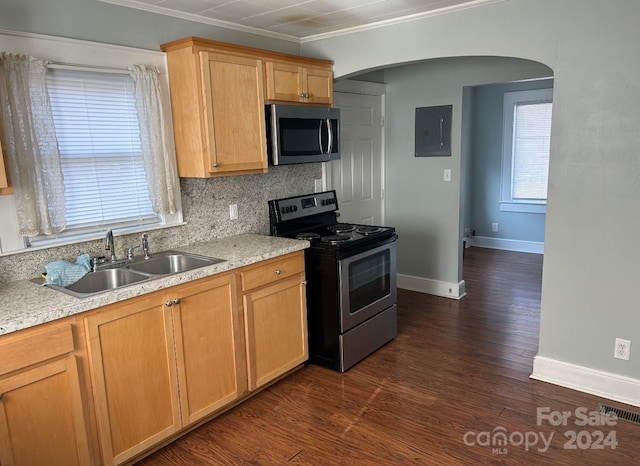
(98, 138)
(99, 142)
(527, 136)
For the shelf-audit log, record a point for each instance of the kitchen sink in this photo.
(100, 281)
(135, 271)
(172, 262)
(107, 279)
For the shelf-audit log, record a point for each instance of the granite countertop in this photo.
(27, 304)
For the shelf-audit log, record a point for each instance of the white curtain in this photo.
(32, 149)
(157, 147)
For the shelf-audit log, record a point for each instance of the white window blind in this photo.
(525, 150)
(99, 141)
(531, 141)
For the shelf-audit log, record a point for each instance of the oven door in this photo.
(367, 284)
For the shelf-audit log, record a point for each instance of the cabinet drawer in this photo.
(31, 347)
(272, 271)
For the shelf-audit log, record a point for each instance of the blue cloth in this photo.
(63, 273)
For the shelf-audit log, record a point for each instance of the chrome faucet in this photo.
(145, 245)
(109, 246)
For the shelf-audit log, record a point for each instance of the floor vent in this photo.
(623, 414)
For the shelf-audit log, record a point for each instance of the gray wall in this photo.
(113, 24)
(425, 209)
(591, 263)
(486, 167)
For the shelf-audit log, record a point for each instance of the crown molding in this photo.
(300, 40)
(202, 19)
(79, 42)
(400, 20)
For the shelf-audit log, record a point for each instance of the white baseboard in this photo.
(507, 244)
(435, 287)
(605, 384)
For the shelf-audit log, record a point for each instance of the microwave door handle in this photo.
(320, 138)
(330, 131)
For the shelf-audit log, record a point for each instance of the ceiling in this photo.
(299, 20)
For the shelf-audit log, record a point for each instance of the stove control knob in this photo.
(295, 208)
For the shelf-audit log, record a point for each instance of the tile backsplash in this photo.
(205, 207)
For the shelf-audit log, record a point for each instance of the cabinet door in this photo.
(276, 328)
(284, 82)
(134, 375)
(210, 346)
(319, 86)
(234, 118)
(5, 188)
(41, 417)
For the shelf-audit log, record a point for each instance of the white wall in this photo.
(591, 262)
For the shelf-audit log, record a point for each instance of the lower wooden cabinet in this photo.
(41, 407)
(158, 364)
(209, 347)
(275, 318)
(163, 361)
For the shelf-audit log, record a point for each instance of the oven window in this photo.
(369, 280)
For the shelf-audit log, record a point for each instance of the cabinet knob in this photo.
(168, 303)
(215, 164)
(304, 282)
(302, 94)
(278, 271)
(177, 301)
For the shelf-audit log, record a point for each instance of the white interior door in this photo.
(358, 176)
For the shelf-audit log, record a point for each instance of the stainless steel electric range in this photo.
(351, 278)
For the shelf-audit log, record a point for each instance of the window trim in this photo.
(507, 203)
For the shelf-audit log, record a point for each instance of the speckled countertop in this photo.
(27, 304)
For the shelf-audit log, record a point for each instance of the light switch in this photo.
(447, 174)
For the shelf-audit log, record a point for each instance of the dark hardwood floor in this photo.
(457, 374)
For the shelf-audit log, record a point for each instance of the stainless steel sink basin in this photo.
(101, 281)
(171, 262)
(129, 273)
(106, 280)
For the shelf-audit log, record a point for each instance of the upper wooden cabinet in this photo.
(217, 102)
(289, 82)
(218, 93)
(5, 186)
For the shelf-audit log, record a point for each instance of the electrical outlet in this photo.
(233, 211)
(622, 349)
(494, 227)
(317, 185)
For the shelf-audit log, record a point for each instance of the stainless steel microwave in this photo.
(301, 134)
